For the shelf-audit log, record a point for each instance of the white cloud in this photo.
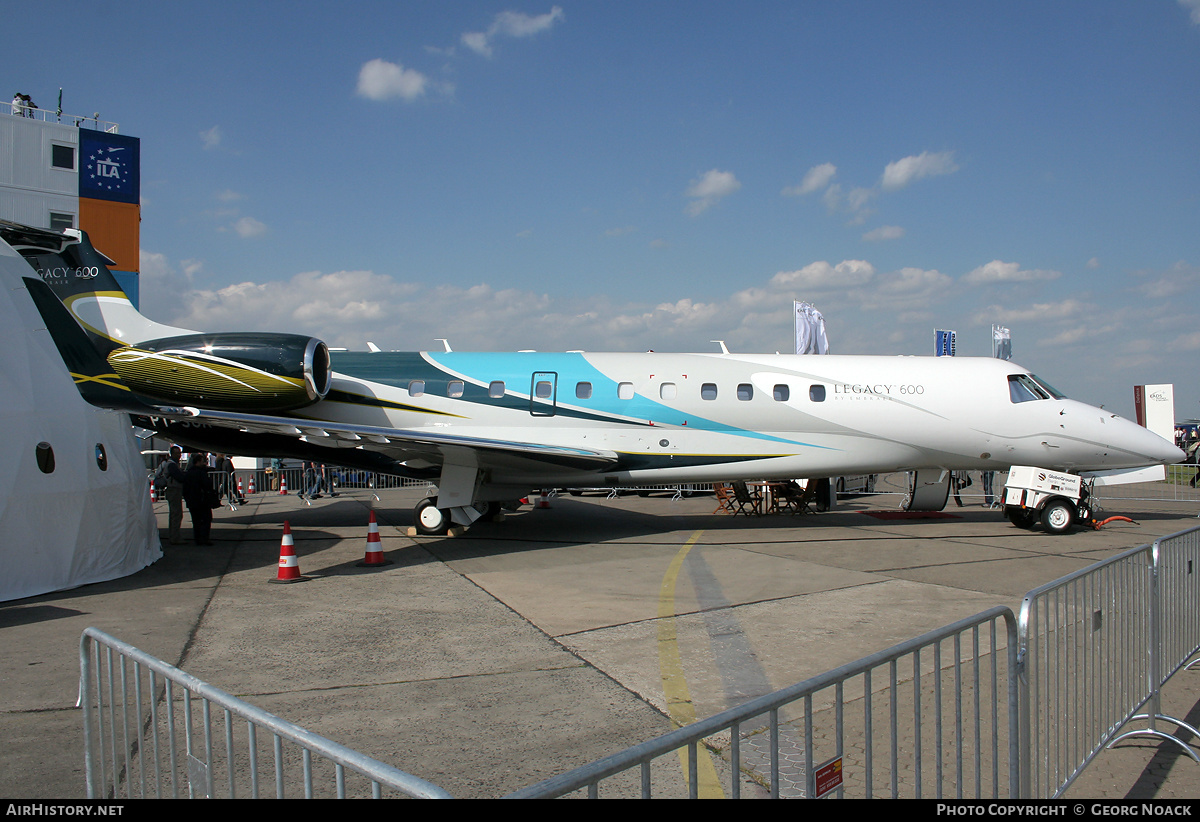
(511, 24)
(211, 138)
(821, 276)
(815, 179)
(1001, 272)
(1193, 7)
(380, 80)
(1177, 281)
(884, 232)
(248, 227)
(1036, 313)
(710, 189)
(899, 174)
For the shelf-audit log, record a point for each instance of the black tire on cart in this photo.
(1058, 516)
(1021, 517)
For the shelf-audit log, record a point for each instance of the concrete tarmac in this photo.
(486, 662)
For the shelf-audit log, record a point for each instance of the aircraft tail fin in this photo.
(77, 273)
(93, 376)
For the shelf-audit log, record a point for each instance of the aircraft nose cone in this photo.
(1159, 450)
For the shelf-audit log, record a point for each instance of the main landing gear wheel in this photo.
(1058, 517)
(431, 520)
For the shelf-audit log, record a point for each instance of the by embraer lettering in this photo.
(878, 389)
(87, 272)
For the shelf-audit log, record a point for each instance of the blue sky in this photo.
(624, 176)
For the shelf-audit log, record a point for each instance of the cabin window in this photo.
(583, 390)
(416, 388)
(62, 156)
(708, 391)
(496, 389)
(44, 453)
(667, 391)
(781, 393)
(625, 391)
(60, 220)
(543, 389)
(745, 391)
(101, 457)
(816, 393)
(454, 388)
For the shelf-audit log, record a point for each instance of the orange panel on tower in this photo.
(113, 228)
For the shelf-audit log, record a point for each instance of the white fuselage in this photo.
(698, 417)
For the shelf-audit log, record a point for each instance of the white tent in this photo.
(87, 518)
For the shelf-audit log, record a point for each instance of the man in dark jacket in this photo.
(196, 493)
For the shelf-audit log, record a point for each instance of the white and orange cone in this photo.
(289, 566)
(374, 555)
(241, 493)
(153, 492)
(282, 486)
(251, 489)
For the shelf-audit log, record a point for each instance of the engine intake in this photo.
(237, 371)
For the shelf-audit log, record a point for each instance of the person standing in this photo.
(170, 478)
(197, 492)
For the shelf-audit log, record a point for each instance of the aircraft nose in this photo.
(1157, 449)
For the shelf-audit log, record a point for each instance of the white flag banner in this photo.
(1001, 343)
(810, 330)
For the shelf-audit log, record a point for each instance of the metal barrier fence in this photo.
(1096, 647)
(144, 738)
(932, 717)
(1084, 665)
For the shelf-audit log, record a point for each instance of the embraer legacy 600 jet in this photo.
(487, 428)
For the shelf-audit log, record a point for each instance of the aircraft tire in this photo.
(1058, 516)
(431, 520)
(1021, 517)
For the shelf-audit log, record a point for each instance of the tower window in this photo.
(62, 157)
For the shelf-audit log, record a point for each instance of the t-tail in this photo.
(78, 275)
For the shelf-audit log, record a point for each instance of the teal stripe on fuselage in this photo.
(516, 370)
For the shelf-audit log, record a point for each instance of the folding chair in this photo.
(747, 502)
(790, 496)
(725, 500)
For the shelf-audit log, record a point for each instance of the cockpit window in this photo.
(1049, 389)
(1024, 388)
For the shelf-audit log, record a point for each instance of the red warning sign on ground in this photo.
(828, 777)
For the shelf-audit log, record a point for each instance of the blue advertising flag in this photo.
(110, 166)
(944, 345)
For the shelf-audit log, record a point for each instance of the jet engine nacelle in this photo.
(243, 371)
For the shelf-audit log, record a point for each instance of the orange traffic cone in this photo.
(374, 556)
(153, 492)
(241, 493)
(289, 566)
(252, 491)
(544, 499)
(282, 486)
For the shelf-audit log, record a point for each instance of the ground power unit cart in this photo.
(1057, 500)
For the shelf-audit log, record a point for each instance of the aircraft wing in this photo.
(403, 445)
